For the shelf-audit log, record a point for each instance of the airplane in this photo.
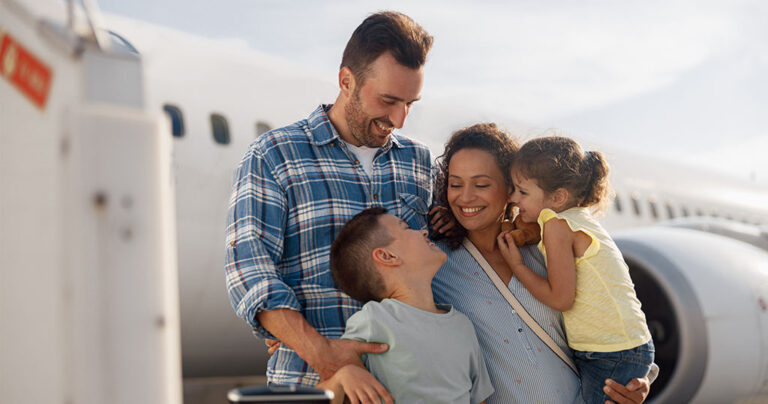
(118, 144)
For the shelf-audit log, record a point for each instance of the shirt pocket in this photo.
(413, 210)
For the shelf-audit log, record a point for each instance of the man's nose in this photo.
(398, 114)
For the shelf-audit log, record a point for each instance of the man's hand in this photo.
(357, 385)
(326, 356)
(337, 353)
(272, 345)
(634, 392)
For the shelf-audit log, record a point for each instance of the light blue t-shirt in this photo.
(432, 358)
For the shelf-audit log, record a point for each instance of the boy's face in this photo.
(412, 246)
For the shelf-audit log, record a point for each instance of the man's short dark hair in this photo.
(352, 267)
(386, 31)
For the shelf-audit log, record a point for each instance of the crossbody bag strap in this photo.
(534, 326)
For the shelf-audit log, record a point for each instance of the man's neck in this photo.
(336, 116)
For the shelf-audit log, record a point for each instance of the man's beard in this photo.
(359, 123)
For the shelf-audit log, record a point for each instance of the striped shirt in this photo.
(522, 368)
(293, 191)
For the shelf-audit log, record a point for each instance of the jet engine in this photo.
(705, 297)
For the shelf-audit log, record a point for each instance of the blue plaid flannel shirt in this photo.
(293, 191)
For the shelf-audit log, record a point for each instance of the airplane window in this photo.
(617, 203)
(654, 210)
(220, 129)
(670, 211)
(261, 128)
(177, 119)
(636, 205)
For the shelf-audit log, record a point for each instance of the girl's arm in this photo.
(558, 290)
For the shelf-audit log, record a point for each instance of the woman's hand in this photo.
(634, 392)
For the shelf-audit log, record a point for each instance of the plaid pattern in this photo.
(293, 191)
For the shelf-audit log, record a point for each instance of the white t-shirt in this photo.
(364, 155)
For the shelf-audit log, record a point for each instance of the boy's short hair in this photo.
(352, 267)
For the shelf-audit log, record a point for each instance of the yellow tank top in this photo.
(606, 315)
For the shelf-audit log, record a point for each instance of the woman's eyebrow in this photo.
(474, 176)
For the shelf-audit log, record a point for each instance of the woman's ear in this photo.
(384, 256)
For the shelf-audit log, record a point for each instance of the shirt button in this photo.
(375, 197)
(519, 330)
(357, 162)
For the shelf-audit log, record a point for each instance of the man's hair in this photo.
(386, 31)
(352, 267)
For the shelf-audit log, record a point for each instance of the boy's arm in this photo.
(357, 385)
(558, 289)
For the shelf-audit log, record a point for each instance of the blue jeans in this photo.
(621, 366)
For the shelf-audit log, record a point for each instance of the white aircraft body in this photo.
(118, 144)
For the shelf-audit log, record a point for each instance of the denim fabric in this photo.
(621, 366)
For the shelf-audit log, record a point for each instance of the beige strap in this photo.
(517, 306)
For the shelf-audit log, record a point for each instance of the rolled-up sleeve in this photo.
(256, 224)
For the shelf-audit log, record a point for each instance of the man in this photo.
(297, 186)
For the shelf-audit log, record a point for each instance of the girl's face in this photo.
(529, 198)
(477, 192)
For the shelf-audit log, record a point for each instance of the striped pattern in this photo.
(522, 368)
(293, 191)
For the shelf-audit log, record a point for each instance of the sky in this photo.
(683, 80)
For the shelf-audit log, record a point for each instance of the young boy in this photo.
(433, 355)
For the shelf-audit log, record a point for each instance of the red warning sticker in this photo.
(22, 69)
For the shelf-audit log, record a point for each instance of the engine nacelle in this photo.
(705, 298)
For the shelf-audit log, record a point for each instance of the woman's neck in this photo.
(485, 239)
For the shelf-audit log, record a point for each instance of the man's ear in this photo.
(384, 256)
(346, 81)
(559, 198)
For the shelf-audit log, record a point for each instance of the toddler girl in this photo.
(559, 185)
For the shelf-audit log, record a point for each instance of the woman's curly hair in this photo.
(482, 136)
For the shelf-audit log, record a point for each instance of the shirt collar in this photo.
(323, 132)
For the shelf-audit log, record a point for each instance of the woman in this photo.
(475, 184)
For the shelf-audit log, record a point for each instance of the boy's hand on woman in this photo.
(440, 221)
